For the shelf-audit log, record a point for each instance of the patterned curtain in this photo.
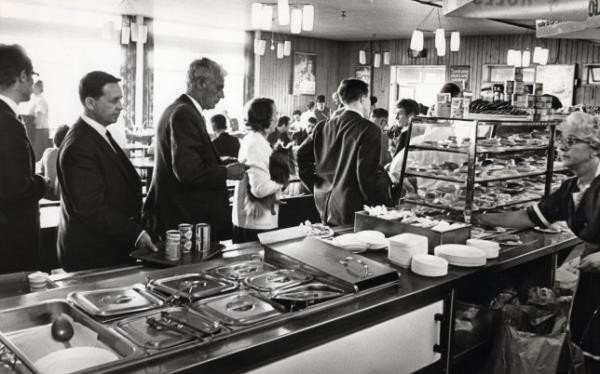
(128, 70)
(148, 121)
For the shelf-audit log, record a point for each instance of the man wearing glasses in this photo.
(20, 188)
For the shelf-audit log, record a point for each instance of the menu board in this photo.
(460, 74)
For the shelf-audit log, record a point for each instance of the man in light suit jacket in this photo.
(339, 161)
(189, 181)
(20, 188)
(100, 221)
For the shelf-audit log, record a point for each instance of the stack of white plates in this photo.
(490, 247)
(429, 266)
(461, 255)
(403, 247)
(38, 281)
(375, 239)
(350, 242)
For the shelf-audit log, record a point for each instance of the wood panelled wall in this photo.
(337, 60)
(476, 51)
(276, 75)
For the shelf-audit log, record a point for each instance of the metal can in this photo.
(186, 230)
(172, 247)
(202, 237)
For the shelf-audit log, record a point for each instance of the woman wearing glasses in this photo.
(576, 201)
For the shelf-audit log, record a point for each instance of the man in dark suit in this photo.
(20, 189)
(281, 132)
(225, 144)
(188, 185)
(339, 161)
(100, 222)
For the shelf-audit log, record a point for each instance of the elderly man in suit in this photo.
(20, 188)
(189, 181)
(100, 221)
(339, 161)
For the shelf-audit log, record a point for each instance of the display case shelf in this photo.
(480, 149)
(448, 178)
(477, 209)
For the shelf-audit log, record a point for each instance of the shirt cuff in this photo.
(536, 216)
(139, 237)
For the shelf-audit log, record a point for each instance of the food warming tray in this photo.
(278, 279)
(243, 269)
(112, 302)
(237, 309)
(138, 331)
(304, 295)
(192, 286)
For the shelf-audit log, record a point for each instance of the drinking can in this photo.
(172, 247)
(202, 237)
(186, 230)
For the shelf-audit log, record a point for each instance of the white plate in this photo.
(70, 360)
(461, 255)
(429, 266)
(370, 237)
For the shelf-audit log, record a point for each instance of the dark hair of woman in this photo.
(259, 114)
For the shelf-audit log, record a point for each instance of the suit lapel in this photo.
(124, 164)
(202, 126)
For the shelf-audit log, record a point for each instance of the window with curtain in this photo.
(175, 46)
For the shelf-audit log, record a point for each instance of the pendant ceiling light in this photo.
(125, 34)
(287, 48)
(267, 17)
(440, 42)
(256, 16)
(377, 60)
(362, 57)
(416, 41)
(308, 17)
(386, 58)
(260, 46)
(544, 56)
(455, 41)
(280, 50)
(540, 55)
(283, 12)
(296, 21)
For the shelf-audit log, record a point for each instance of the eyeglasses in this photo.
(570, 141)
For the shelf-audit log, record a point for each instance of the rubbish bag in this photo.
(534, 337)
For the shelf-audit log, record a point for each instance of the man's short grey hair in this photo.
(202, 69)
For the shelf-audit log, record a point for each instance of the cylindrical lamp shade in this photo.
(308, 17)
(287, 48)
(259, 46)
(125, 34)
(267, 17)
(256, 16)
(455, 41)
(362, 57)
(416, 41)
(386, 58)
(283, 12)
(440, 39)
(526, 59)
(377, 60)
(544, 56)
(279, 50)
(296, 21)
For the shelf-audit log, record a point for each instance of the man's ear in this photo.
(23, 77)
(89, 103)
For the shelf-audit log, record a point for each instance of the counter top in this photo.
(255, 347)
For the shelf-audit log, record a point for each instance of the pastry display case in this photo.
(466, 166)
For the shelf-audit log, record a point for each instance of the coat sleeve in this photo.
(305, 158)
(17, 181)
(259, 177)
(367, 162)
(84, 187)
(191, 152)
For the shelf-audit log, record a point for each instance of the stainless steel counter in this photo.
(272, 341)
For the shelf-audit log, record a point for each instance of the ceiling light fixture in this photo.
(283, 12)
(417, 39)
(267, 17)
(362, 57)
(455, 41)
(280, 50)
(296, 21)
(256, 15)
(440, 37)
(287, 48)
(526, 58)
(386, 58)
(308, 17)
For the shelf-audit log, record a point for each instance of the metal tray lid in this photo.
(238, 309)
(115, 301)
(139, 332)
(278, 279)
(314, 291)
(243, 269)
(192, 286)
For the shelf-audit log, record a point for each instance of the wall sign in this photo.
(461, 75)
(304, 76)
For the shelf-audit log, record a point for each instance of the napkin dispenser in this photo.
(355, 270)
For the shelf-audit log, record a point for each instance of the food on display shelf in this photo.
(496, 107)
(317, 230)
(411, 217)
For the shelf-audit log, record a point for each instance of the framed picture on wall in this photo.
(363, 72)
(304, 74)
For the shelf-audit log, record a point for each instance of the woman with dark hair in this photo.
(250, 217)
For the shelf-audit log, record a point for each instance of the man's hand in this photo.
(145, 242)
(590, 263)
(236, 171)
